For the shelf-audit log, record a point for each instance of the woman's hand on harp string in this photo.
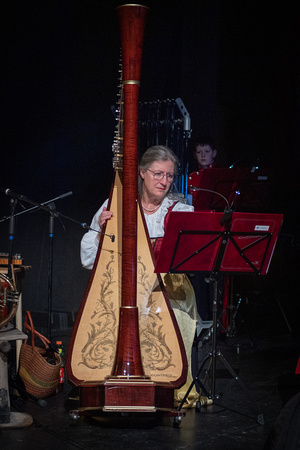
(104, 216)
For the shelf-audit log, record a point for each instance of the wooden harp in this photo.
(126, 352)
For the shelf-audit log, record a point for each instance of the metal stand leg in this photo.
(196, 381)
(212, 361)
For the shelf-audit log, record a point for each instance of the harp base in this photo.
(129, 394)
(147, 413)
(118, 395)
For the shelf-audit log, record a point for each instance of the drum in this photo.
(8, 300)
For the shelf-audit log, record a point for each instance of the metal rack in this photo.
(167, 122)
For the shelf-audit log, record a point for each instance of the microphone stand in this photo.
(50, 266)
(11, 234)
(25, 211)
(51, 209)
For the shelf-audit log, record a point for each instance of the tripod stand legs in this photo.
(212, 362)
(211, 358)
(196, 381)
(227, 366)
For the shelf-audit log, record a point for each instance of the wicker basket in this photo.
(40, 378)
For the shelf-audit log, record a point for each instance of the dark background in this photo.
(235, 65)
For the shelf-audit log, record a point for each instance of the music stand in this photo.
(248, 189)
(216, 183)
(203, 241)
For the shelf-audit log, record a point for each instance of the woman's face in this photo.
(157, 179)
(205, 155)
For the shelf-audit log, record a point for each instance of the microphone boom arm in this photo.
(194, 188)
(50, 210)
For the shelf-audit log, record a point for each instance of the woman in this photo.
(157, 170)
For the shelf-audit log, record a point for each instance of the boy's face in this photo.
(205, 155)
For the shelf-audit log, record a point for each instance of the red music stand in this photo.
(218, 242)
(197, 242)
(245, 188)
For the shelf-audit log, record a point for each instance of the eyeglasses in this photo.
(159, 175)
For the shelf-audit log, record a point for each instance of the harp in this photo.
(126, 352)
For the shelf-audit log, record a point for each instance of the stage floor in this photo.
(265, 365)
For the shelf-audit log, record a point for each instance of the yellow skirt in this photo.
(183, 301)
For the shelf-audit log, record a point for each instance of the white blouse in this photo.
(155, 225)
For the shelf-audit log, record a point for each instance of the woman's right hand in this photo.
(104, 216)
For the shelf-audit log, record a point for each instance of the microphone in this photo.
(194, 188)
(13, 194)
(237, 193)
(87, 227)
(255, 167)
(66, 194)
(226, 219)
(250, 159)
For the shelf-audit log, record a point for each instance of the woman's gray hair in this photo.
(158, 153)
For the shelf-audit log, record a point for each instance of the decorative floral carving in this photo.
(156, 354)
(99, 350)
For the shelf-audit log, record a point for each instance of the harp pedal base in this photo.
(129, 394)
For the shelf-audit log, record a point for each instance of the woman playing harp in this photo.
(157, 170)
